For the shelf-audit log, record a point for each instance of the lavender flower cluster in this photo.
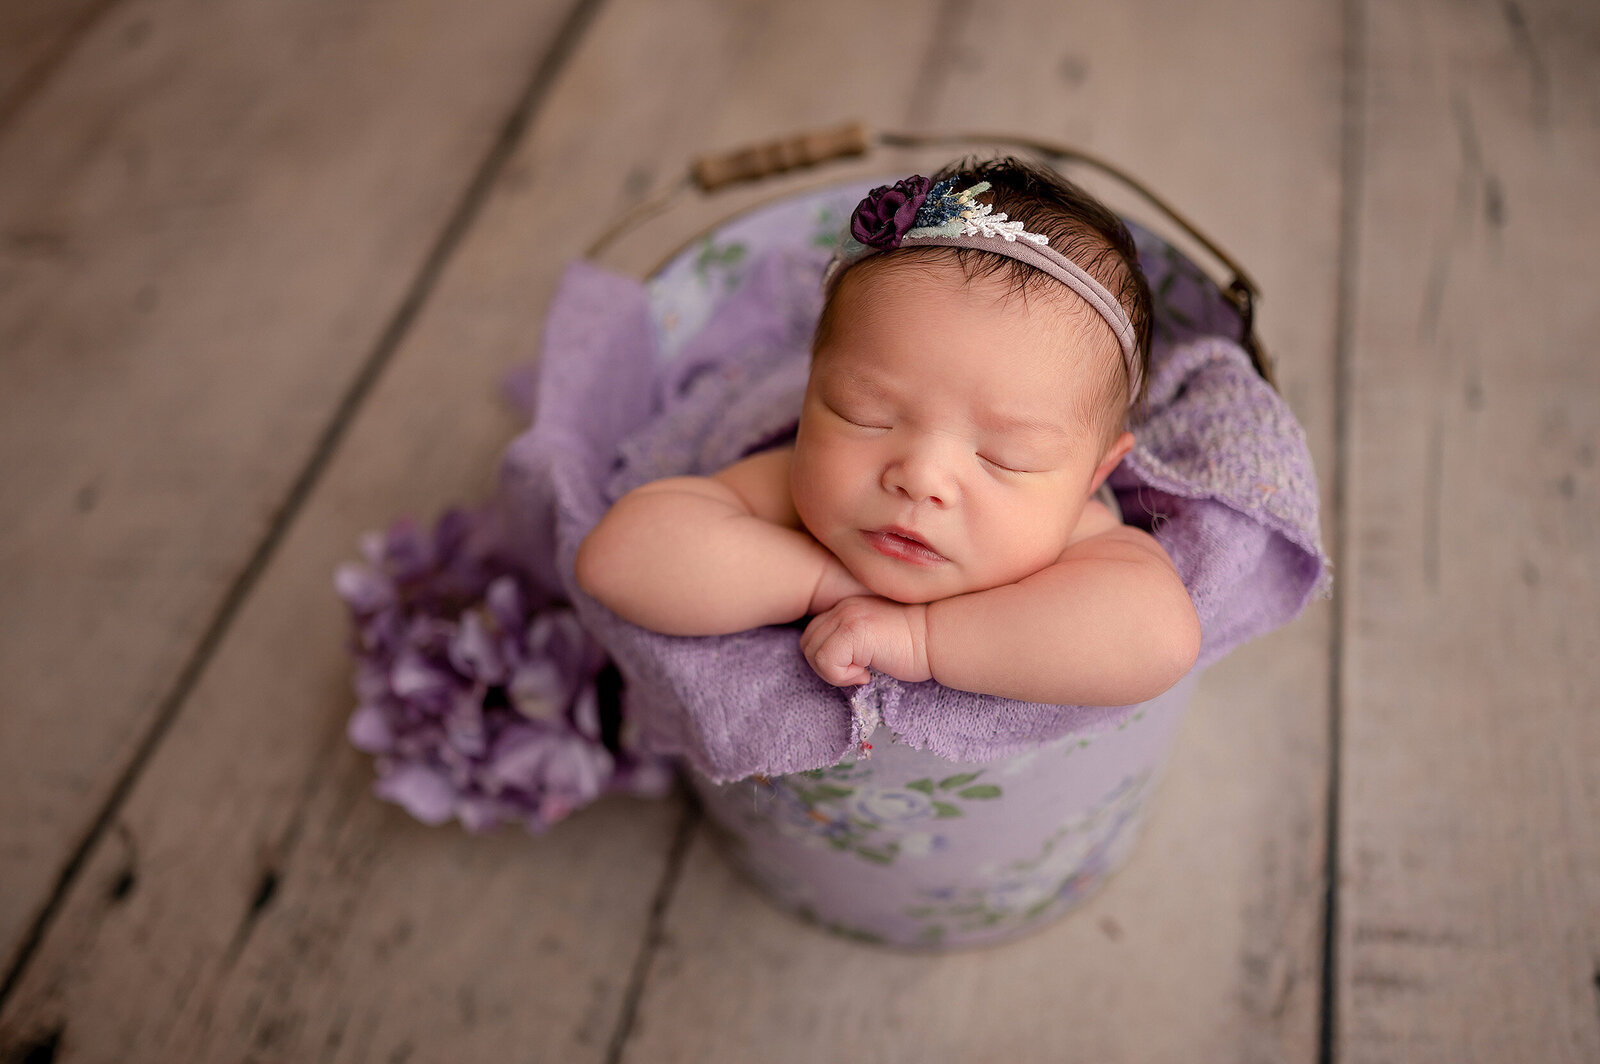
(478, 703)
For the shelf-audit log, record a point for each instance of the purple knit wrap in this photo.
(1221, 476)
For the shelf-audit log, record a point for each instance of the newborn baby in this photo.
(984, 336)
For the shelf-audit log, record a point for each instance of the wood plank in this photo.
(210, 216)
(380, 940)
(1208, 946)
(1470, 908)
(254, 901)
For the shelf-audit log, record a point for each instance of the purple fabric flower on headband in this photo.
(889, 212)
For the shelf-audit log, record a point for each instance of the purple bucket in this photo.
(909, 849)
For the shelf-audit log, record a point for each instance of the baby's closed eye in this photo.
(1016, 459)
(861, 417)
(1005, 465)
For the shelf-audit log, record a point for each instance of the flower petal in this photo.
(507, 605)
(369, 729)
(472, 650)
(538, 690)
(517, 760)
(413, 677)
(424, 793)
(363, 589)
(480, 814)
(586, 712)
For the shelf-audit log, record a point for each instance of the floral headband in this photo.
(909, 211)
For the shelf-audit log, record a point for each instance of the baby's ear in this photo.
(1114, 454)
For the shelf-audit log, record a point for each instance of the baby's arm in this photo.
(711, 555)
(1109, 623)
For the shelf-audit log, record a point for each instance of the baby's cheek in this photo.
(803, 488)
(821, 487)
(1036, 541)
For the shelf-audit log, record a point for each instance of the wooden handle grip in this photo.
(752, 163)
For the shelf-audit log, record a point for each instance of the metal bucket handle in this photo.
(717, 170)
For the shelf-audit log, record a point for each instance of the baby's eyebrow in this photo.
(1023, 424)
(855, 381)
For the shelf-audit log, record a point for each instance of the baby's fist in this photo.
(866, 632)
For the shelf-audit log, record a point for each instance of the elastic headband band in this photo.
(909, 212)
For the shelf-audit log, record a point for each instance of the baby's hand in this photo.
(837, 584)
(865, 632)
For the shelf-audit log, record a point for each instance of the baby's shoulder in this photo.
(1097, 517)
(1101, 532)
(762, 482)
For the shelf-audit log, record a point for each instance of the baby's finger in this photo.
(835, 661)
(849, 676)
(816, 633)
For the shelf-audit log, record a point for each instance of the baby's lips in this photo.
(902, 544)
(901, 531)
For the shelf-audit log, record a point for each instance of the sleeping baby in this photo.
(940, 513)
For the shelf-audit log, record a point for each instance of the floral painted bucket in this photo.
(909, 849)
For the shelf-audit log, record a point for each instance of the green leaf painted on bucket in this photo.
(982, 790)
(945, 810)
(828, 791)
(956, 781)
(855, 933)
(880, 856)
(924, 785)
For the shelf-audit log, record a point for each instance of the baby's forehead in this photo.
(877, 300)
(898, 286)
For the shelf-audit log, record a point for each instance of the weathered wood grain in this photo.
(1207, 947)
(208, 216)
(34, 36)
(375, 939)
(1470, 908)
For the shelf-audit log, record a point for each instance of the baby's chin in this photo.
(909, 590)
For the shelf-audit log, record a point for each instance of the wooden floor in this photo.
(262, 266)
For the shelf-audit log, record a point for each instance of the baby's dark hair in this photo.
(1079, 226)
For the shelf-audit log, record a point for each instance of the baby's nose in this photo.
(921, 476)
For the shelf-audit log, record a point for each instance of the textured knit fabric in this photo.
(1221, 476)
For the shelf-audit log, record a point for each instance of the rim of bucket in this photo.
(710, 174)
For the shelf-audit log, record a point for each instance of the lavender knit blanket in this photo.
(1221, 476)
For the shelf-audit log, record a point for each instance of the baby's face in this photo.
(943, 446)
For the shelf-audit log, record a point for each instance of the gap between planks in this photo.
(573, 28)
(1351, 164)
(654, 934)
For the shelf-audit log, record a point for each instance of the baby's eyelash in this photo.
(842, 416)
(1002, 465)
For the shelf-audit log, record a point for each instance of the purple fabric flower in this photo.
(889, 212)
(478, 703)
